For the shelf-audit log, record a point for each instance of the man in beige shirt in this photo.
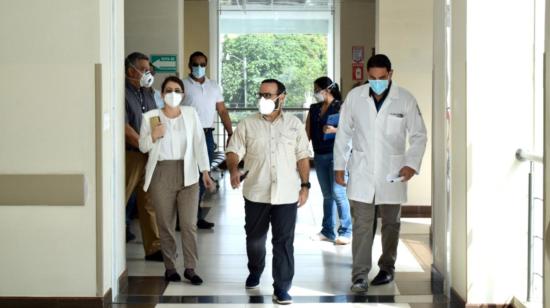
(275, 150)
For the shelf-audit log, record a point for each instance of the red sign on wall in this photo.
(357, 62)
(357, 71)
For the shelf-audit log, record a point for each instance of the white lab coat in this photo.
(379, 144)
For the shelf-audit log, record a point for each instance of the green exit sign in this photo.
(165, 63)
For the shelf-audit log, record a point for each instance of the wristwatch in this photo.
(306, 185)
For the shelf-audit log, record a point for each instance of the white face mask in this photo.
(173, 99)
(319, 97)
(266, 106)
(146, 79)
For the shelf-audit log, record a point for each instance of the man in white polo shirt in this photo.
(206, 96)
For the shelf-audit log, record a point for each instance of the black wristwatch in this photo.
(306, 185)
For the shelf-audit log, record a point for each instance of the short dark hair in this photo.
(171, 79)
(280, 86)
(380, 61)
(132, 59)
(197, 54)
(326, 83)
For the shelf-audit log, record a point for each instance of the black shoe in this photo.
(157, 256)
(282, 297)
(190, 275)
(383, 277)
(129, 235)
(360, 286)
(253, 281)
(173, 276)
(203, 224)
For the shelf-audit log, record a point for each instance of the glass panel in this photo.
(295, 47)
(289, 40)
(276, 4)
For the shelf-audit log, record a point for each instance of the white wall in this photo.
(197, 35)
(439, 142)
(155, 27)
(546, 164)
(404, 32)
(499, 120)
(111, 246)
(47, 126)
(459, 151)
(355, 15)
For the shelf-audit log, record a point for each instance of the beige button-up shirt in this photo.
(270, 151)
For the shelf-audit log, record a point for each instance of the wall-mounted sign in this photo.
(357, 71)
(165, 63)
(358, 62)
(358, 54)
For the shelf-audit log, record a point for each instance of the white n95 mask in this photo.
(266, 106)
(146, 79)
(173, 99)
(319, 97)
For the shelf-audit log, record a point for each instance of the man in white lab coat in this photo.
(376, 119)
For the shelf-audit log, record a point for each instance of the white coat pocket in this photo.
(396, 163)
(393, 125)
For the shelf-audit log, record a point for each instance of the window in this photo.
(283, 39)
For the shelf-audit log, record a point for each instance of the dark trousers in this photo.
(210, 146)
(283, 223)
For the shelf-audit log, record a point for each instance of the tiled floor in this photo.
(323, 270)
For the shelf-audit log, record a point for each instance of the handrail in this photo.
(523, 155)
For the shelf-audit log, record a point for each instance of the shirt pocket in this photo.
(394, 125)
(256, 146)
(287, 143)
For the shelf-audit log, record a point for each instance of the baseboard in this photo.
(56, 302)
(123, 281)
(489, 305)
(437, 281)
(416, 211)
(456, 300)
(108, 297)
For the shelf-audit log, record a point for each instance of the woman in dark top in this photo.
(321, 126)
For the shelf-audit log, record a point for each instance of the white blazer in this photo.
(195, 156)
(379, 144)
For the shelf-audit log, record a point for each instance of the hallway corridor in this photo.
(322, 268)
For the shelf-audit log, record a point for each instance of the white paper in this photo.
(394, 178)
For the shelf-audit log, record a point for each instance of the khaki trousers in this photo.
(172, 198)
(135, 176)
(363, 215)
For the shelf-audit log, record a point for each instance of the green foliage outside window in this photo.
(295, 59)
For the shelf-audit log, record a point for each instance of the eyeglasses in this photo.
(199, 64)
(176, 90)
(265, 95)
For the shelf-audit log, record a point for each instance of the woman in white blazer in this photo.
(174, 139)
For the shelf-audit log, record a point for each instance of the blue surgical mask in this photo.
(379, 86)
(198, 71)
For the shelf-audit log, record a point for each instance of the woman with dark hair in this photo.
(321, 127)
(174, 139)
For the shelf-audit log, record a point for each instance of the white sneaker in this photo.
(320, 237)
(341, 240)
